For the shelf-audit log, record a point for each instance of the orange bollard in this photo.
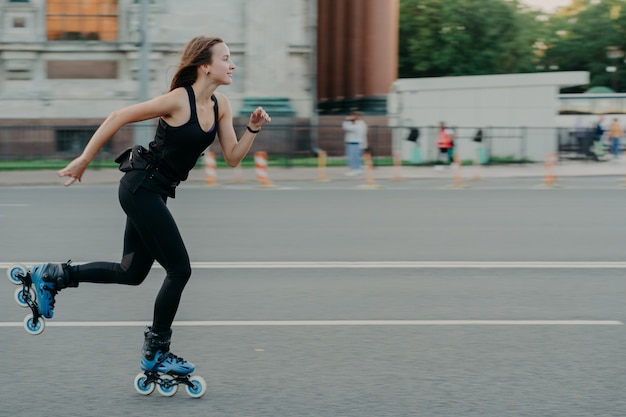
(397, 167)
(477, 165)
(321, 167)
(456, 169)
(369, 172)
(550, 177)
(260, 165)
(210, 169)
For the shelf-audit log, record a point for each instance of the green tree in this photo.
(465, 37)
(587, 32)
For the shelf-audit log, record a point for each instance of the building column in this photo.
(355, 67)
(339, 50)
(357, 54)
(381, 51)
(324, 41)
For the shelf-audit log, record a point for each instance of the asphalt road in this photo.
(372, 304)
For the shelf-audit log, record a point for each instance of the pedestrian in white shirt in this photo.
(355, 137)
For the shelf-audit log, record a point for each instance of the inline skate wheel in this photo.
(31, 327)
(14, 271)
(19, 297)
(142, 387)
(167, 387)
(199, 387)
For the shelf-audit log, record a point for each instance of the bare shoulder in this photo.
(221, 98)
(223, 103)
(178, 95)
(175, 105)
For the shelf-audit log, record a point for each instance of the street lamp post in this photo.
(142, 129)
(614, 53)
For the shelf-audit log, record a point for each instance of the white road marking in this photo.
(388, 264)
(332, 323)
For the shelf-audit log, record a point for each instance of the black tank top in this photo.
(176, 149)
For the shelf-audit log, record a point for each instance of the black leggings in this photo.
(151, 234)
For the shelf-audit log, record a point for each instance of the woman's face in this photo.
(221, 69)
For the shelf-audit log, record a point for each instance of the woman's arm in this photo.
(157, 107)
(235, 150)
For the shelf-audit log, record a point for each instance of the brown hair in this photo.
(198, 51)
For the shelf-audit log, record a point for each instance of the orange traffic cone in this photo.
(456, 169)
(397, 167)
(210, 169)
(549, 180)
(321, 167)
(369, 172)
(260, 165)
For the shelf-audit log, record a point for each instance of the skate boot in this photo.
(164, 371)
(156, 355)
(48, 280)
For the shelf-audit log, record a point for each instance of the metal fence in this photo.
(303, 140)
(278, 140)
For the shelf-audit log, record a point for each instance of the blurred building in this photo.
(66, 64)
(72, 62)
(70, 59)
(517, 112)
(78, 60)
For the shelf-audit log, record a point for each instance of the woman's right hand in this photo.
(74, 170)
(259, 118)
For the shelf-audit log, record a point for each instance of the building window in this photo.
(19, 22)
(82, 20)
(71, 70)
(73, 140)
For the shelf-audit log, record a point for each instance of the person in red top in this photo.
(445, 142)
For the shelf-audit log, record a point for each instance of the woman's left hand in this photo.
(259, 118)
(74, 170)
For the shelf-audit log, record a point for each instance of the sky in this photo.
(546, 5)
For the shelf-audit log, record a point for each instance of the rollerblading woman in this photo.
(191, 116)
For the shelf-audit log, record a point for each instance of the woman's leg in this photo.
(151, 226)
(132, 270)
(134, 266)
(159, 233)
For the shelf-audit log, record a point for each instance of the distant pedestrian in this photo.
(599, 129)
(598, 150)
(479, 149)
(616, 132)
(581, 135)
(478, 136)
(445, 143)
(355, 138)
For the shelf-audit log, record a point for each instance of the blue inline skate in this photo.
(165, 371)
(40, 285)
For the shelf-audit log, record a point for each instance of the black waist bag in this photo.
(133, 158)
